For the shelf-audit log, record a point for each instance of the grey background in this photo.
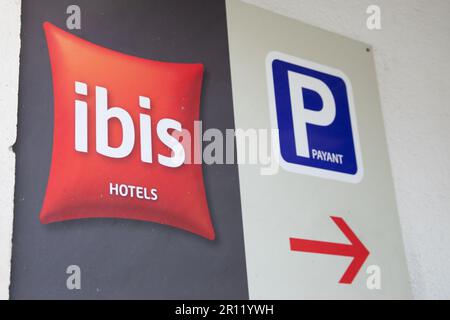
(290, 205)
(124, 258)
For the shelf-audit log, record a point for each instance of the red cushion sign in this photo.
(114, 154)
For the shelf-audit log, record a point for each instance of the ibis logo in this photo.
(105, 114)
(313, 111)
(115, 154)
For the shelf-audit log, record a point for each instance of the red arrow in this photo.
(355, 249)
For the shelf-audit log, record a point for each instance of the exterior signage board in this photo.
(198, 150)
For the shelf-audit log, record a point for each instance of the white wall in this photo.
(411, 52)
(9, 72)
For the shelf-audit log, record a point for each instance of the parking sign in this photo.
(324, 226)
(313, 111)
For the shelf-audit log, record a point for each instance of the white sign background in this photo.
(290, 205)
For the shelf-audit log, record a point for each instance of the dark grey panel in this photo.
(124, 258)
